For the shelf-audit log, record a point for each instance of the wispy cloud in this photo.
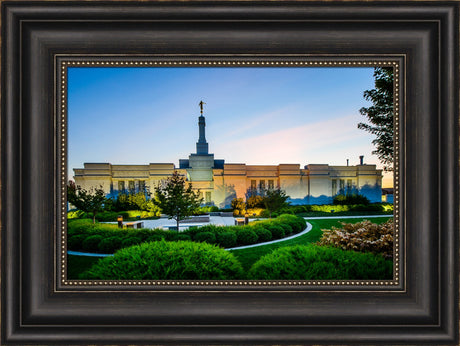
(294, 145)
(253, 124)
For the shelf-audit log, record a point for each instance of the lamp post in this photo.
(120, 221)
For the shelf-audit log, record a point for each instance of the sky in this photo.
(266, 116)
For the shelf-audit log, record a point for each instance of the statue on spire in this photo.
(201, 106)
(202, 145)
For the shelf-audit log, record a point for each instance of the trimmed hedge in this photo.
(263, 234)
(205, 237)
(167, 261)
(254, 232)
(227, 239)
(110, 245)
(311, 262)
(79, 230)
(108, 238)
(91, 244)
(246, 236)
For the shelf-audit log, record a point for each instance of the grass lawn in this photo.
(249, 256)
(78, 264)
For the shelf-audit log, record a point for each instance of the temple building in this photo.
(220, 182)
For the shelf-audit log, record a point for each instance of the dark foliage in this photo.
(380, 115)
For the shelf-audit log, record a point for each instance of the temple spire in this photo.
(201, 145)
(201, 106)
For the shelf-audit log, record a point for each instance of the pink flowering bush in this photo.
(363, 236)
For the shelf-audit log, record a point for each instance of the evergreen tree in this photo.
(176, 198)
(274, 200)
(380, 115)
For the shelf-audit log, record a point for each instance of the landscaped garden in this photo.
(329, 250)
(157, 254)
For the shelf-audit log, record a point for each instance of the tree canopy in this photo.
(380, 115)
(274, 200)
(90, 201)
(176, 198)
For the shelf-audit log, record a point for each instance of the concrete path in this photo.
(346, 217)
(88, 254)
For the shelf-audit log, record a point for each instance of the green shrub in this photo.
(254, 212)
(350, 199)
(207, 237)
(184, 237)
(330, 208)
(206, 210)
(263, 234)
(313, 262)
(255, 202)
(297, 223)
(75, 242)
(278, 230)
(110, 245)
(106, 216)
(170, 235)
(91, 243)
(193, 231)
(266, 214)
(77, 226)
(75, 214)
(387, 207)
(226, 239)
(126, 242)
(167, 261)
(246, 236)
(287, 228)
(238, 206)
(155, 237)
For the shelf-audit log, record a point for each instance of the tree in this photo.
(89, 201)
(176, 198)
(239, 205)
(380, 115)
(274, 200)
(133, 201)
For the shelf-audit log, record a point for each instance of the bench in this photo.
(239, 222)
(134, 224)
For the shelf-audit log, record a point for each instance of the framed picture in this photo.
(237, 103)
(208, 196)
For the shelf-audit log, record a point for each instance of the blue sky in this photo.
(253, 115)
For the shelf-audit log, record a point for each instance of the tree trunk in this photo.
(94, 217)
(177, 220)
(270, 214)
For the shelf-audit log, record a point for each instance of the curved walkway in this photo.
(88, 254)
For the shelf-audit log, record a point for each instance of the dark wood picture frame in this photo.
(422, 308)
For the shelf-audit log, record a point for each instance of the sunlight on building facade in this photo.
(220, 182)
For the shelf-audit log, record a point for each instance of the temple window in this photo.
(271, 184)
(334, 187)
(121, 186)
